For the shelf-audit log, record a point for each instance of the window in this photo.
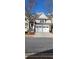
(41, 21)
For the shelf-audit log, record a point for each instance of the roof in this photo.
(43, 16)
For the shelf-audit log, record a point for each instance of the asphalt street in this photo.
(48, 54)
(34, 45)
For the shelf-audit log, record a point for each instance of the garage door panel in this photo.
(45, 29)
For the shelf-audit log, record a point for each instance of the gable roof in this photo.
(43, 16)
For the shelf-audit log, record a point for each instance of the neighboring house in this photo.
(29, 22)
(26, 22)
(43, 23)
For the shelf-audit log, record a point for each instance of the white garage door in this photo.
(45, 29)
(42, 28)
(38, 29)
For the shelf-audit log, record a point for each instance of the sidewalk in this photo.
(37, 35)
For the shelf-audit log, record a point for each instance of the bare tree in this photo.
(30, 5)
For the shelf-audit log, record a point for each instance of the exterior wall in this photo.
(48, 21)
